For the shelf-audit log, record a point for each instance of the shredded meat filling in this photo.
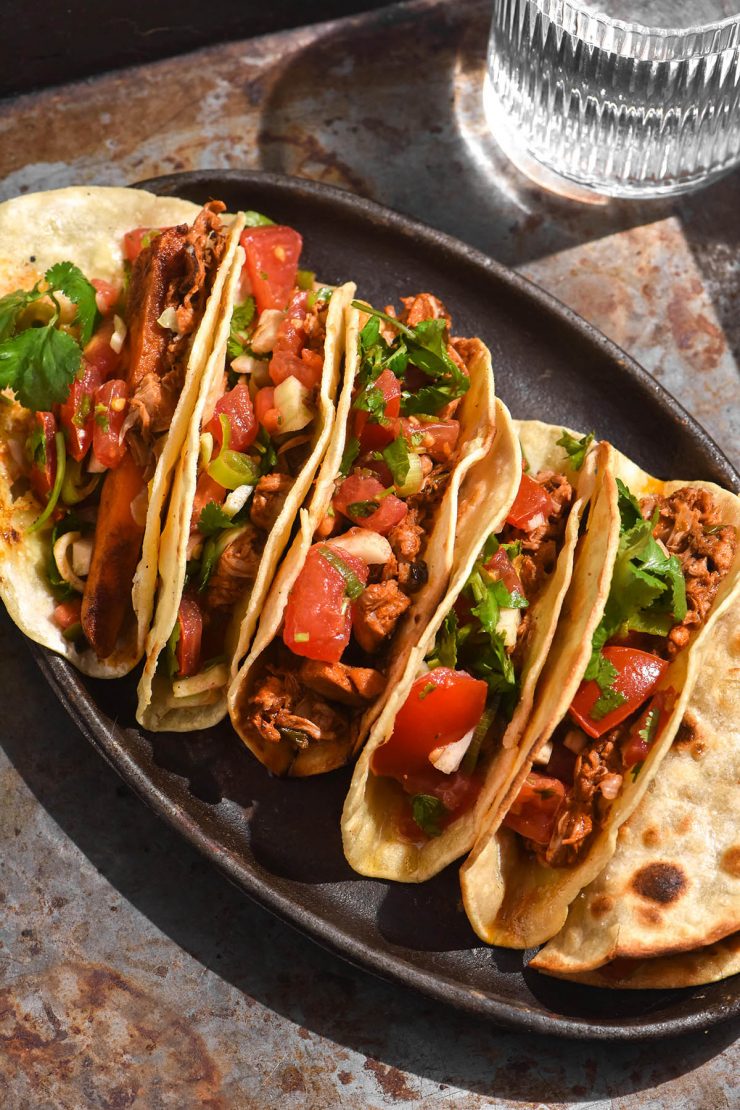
(175, 271)
(348, 685)
(376, 614)
(689, 527)
(268, 499)
(236, 566)
(282, 708)
(540, 547)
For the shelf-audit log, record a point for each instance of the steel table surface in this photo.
(131, 973)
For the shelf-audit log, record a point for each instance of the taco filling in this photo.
(452, 722)
(367, 560)
(673, 553)
(101, 368)
(256, 435)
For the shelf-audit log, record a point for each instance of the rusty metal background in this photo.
(130, 973)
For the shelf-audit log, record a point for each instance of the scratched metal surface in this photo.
(131, 974)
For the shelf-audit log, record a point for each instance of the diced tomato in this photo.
(648, 727)
(534, 811)
(442, 706)
(290, 358)
(638, 673)
(206, 490)
(135, 241)
(106, 295)
(68, 613)
(374, 435)
(44, 459)
(237, 406)
(100, 354)
(355, 497)
(318, 616)
(190, 619)
(532, 505)
(436, 438)
(111, 404)
(264, 407)
(272, 262)
(77, 414)
(457, 793)
(499, 566)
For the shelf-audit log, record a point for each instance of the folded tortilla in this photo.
(511, 898)
(673, 884)
(372, 843)
(85, 226)
(157, 709)
(477, 427)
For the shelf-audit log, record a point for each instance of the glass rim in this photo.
(639, 40)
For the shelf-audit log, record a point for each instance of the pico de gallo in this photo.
(673, 553)
(451, 724)
(99, 366)
(256, 436)
(316, 679)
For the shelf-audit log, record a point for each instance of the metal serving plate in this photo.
(279, 840)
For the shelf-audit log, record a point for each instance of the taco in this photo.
(673, 884)
(260, 427)
(375, 547)
(645, 597)
(448, 735)
(685, 969)
(110, 298)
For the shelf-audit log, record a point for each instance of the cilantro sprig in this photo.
(575, 448)
(422, 346)
(647, 594)
(39, 363)
(240, 330)
(428, 812)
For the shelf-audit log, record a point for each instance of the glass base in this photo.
(584, 190)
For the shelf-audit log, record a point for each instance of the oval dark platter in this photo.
(279, 840)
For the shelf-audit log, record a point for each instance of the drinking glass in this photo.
(579, 98)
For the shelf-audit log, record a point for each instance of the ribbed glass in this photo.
(616, 107)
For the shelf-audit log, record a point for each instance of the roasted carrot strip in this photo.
(116, 549)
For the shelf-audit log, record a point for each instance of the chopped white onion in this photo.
(535, 522)
(139, 507)
(168, 320)
(237, 499)
(81, 556)
(507, 626)
(61, 558)
(575, 740)
(449, 757)
(245, 364)
(195, 546)
(119, 334)
(95, 467)
(543, 755)
(369, 546)
(610, 786)
(213, 678)
(267, 331)
(292, 400)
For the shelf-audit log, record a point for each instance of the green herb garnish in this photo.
(427, 812)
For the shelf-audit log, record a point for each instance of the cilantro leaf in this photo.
(444, 652)
(575, 448)
(11, 306)
(353, 585)
(427, 812)
(372, 401)
(241, 318)
(256, 219)
(350, 453)
(629, 507)
(65, 277)
(396, 455)
(39, 365)
(362, 509)
(213, 519)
